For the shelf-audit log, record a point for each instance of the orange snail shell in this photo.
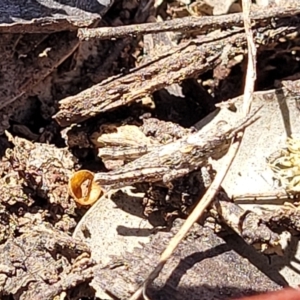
(83, 188)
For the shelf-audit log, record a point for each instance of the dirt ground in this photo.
(73, 98)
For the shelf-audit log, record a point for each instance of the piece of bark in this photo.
(33, 186)
(188, 62)
(46, 16)
(247, 224)
(185, 61)
(41, 263)
(284, 217)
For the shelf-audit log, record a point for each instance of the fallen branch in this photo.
(199, 24)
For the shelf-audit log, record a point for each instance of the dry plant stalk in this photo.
(215, 186)
(251, 67)
(193, 217)
(202, 25)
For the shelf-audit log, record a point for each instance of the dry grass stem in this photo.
(193, 217)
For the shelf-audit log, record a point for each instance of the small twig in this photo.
(193, 217)
(251, 67)
(199, 24)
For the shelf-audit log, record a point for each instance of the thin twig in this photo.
(251, 67)
(193, 217)
(199, 24)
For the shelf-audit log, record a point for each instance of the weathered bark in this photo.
(189, 60)
(48, 16)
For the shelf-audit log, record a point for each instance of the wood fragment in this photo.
(199, 24)
(248, 224)
(48, 16)
(188, 62)
(185, 61)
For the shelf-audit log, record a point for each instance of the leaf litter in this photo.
(39, 257)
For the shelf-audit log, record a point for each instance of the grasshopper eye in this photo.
(222, 126)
